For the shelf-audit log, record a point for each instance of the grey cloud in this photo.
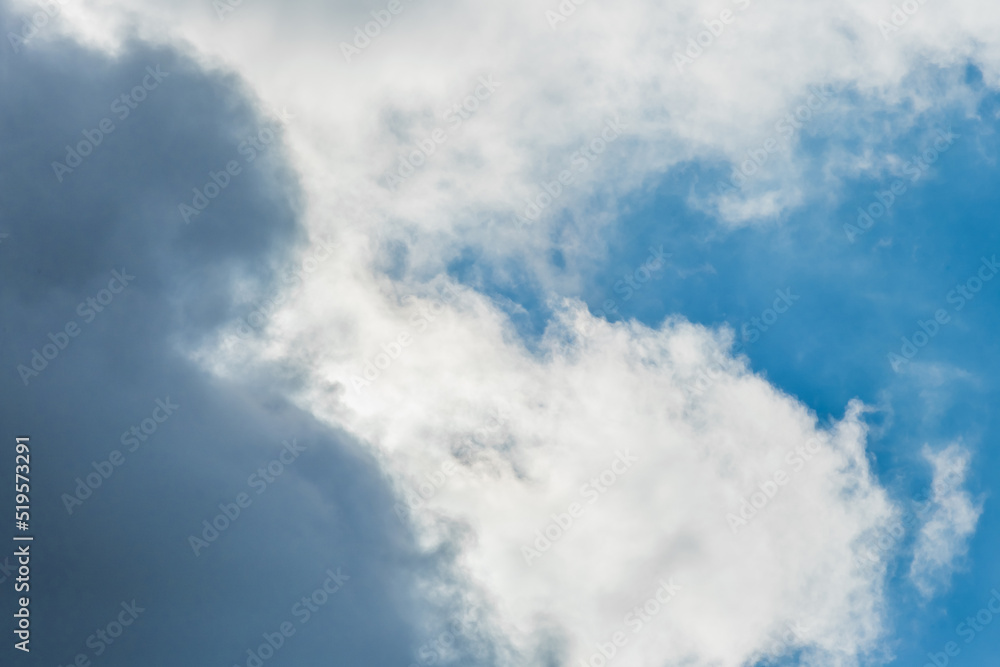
(118, 211)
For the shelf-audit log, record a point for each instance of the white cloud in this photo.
(593, 395)
(943, 539)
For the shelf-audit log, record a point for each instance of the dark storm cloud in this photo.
(101, 275)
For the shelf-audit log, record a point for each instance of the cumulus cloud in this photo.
(571, 481)
(944, 537)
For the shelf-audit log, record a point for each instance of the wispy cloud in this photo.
(944, 537)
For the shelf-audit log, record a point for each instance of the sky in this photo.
(520, 334)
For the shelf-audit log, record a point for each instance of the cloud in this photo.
(101, 389)
(943, 539)
(567, 482)
(750, 85)
(380, 342)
